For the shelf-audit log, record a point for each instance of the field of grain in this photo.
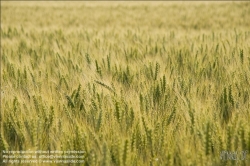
(128, 83)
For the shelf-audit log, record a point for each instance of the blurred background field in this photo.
(152, 16)
(129, 83)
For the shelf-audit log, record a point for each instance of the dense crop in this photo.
(160, 84)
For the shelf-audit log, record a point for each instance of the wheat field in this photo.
(128, 83)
